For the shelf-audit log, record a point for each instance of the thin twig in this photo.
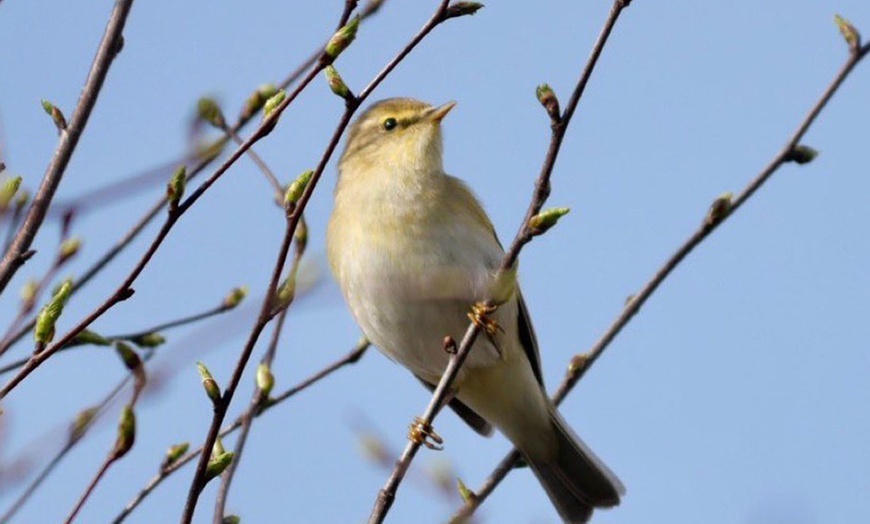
(582, 363)
(559, 126)
(371, 7)
(257, 399)
(350, 358)
(294, 217)
(106, 53)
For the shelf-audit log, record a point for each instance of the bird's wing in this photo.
(527, 337)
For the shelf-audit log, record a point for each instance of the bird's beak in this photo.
(437, 114)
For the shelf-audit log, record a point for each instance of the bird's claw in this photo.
(423, 433)
(479, 314)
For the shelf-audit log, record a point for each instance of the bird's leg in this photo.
(423, 433)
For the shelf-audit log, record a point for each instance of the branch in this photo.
(295, 214)
(106, 52)
(717, 215)
(526, 232)
(370, 8)
(351, 358)
(260, 395)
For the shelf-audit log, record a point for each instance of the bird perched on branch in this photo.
(413, 250)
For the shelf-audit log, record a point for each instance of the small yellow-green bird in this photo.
(413, 249)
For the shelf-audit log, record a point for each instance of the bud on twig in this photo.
(130, 358)
(149, 340)
(336, 84)
(209, 383)
(231, 519)
(235, 297)
(43, 333)
(88, 337)
(265, 379)
(301, 235)
(175, 452)
(217, 464)
(255, 102)
(208, 110)
(269, 107)
(543, 221)
(68, 249)
(850, 34)
(720, 209)
(7, 192)
(295, 190)
(126, 433)
(462, 9)
(341, 40)
(548, 99)
(55, 114)
(82, 423)
(175, 187)
(801, 154)
(468, 496)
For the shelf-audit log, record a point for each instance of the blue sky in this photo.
(739, 393)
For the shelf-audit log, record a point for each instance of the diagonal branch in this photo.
(387, 494)
(109, 48)
(582, 363)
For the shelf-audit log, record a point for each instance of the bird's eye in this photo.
(390, 124)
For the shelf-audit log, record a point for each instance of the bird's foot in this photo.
(480, 315)
(423, 433)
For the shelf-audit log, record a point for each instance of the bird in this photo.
(412, 250)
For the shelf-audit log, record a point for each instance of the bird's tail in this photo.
(575, 479)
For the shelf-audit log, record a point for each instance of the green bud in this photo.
(269, 107)
(149, 340)
(273, 102)
(296, 188)
(235, 297)
(7, 192)
(850, 34)
(719, 209)
(55, 114)
(468, 496)
(546, 219)
(126, 433)
(88, 337)
(128, 356)
(462, 9)
(231, 519)
(207, 109)
(28, 294)
(175, 187)
(301, 235)
(265, 379)
(255, 102)
(82, 423)
(68, 249)
(547, 98)
(801, 154)
(286, 291)
(217, 465)
(175, 452)
(341, 39)
(218, 447)
(336, 84)
(208, 383)
(43, 333)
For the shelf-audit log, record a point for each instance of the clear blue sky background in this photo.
(738, 395)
